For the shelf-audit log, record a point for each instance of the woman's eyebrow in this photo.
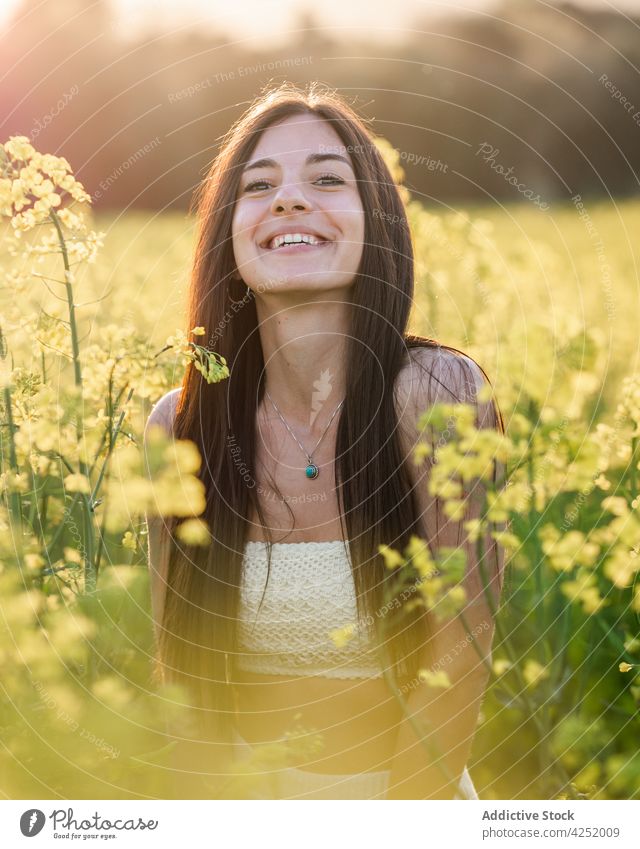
(312, 159)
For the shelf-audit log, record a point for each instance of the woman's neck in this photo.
(304, 349)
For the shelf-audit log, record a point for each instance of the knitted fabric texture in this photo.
(309, 594)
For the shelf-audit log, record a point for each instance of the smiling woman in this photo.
(320, 413)
(292, 205)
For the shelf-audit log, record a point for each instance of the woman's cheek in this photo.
(239, 234)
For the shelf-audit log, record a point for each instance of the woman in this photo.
(303, 280)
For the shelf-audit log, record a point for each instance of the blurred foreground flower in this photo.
(341, 636)
(211, 366)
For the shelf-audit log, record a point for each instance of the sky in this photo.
(264, 19)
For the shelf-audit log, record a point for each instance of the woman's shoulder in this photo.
(163, 411)
(436, 373)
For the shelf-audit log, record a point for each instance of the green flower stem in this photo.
(538, 565)
(541, 727)
(524, 694)
(423, 729)
(92, 468)
(42, 517)
(13, 459)
(564, 642)
(87, 516)
(615, 640)
(113, 436)
(584, 666)
(61, 527)
(75, 345)
(15, 502)
(633, 463)
(112, 442)
(33, 509)
(530, 708)
(539, 559)
(100, 545)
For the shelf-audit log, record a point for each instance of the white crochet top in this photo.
(309, 594)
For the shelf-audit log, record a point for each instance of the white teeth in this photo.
(292, 239)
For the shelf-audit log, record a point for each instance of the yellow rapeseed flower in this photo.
(183, 455)
(418, 552)
(129, 541)
(33, 562)
(621, 567)
(586, 779)
(112, 691)
(625, 667)
(422, 450)
(534, 672)
(455, 509)
(392, 558)
(194, 532)
(77, 483)
(501, 665)
(341, 636)
(616, 505)
(19, 147)
(5, 197)
(507, 540)
(568, 550)
(434, 679)
(72, 555)
(585, 590)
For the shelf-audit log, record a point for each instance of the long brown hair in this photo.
(197, 643)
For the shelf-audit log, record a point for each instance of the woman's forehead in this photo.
(298, 136)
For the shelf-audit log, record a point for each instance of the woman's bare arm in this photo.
(449, 715)
(162, 415)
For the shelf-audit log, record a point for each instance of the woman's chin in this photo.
(303, 281)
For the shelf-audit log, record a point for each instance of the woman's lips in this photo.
(299, 247)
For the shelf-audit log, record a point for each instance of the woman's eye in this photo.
(257, 185)
(331, 177)
(254, 186)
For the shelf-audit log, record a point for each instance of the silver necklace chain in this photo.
(312, 471)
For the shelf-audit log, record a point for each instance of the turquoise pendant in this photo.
(312, 471)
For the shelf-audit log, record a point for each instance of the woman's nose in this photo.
(289, 198)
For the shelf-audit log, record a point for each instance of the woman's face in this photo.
(299, 180)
